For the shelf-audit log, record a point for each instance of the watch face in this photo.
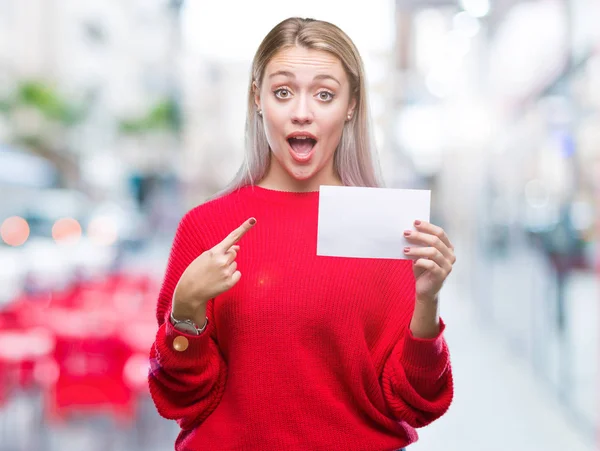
(187, 328)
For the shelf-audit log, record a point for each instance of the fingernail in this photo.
(406, 250)
(417, 222)
(252, 221)
(407, 233)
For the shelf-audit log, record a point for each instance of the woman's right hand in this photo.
(209, 275)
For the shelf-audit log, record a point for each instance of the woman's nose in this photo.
(302, 114)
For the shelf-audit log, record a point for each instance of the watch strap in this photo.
(187, 325)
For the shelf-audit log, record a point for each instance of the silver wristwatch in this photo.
(187, 325)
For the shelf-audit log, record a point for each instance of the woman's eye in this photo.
(324, 95)
(282, 93)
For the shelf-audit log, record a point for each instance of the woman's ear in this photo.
(352, 107)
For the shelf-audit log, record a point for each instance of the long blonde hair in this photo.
(355, 159)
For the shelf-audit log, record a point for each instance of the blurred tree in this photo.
(163, 116)
(44, 98)
(40, 119)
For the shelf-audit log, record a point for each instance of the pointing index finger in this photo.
(236, 235)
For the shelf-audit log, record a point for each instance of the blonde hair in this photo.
(355, 159)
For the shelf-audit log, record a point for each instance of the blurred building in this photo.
(214, 106)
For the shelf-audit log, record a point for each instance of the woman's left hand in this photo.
(433, 262)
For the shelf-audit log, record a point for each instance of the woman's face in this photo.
(305, 101)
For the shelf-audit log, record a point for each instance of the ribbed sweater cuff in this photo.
(198, 345)
(423, 353)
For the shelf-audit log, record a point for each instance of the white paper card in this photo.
(368, 222)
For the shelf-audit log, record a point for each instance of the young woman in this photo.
(263, 345)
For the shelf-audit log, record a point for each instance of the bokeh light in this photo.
(66, 230)
(14, 231)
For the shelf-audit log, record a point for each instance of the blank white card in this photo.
(368, 222)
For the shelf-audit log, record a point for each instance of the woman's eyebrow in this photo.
(327, 77)
(289, 74)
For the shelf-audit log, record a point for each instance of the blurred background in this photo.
(117, 116)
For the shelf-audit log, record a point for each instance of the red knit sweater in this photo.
(305, 352)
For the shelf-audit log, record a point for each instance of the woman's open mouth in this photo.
(302, 146)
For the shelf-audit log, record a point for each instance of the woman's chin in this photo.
(302, 174)
(302, 177)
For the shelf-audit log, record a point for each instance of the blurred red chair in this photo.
(20, 350)
(88, 350)
(90, 358)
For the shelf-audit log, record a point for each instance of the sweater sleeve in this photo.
(185, 386)
(417, 379)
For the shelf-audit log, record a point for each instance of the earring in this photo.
(349, 116)
(259, 113)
